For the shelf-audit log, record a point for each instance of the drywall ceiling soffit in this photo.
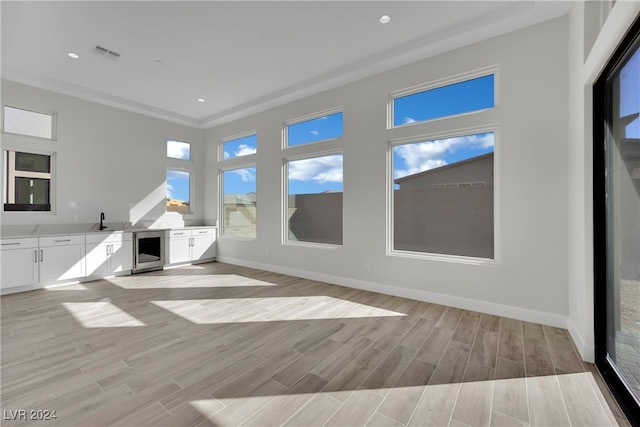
(242, 57)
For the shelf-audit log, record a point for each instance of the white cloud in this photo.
(246, 174)
(169, 191)
(408, 120)
(422, 156)
(319, 169)
(244, 150)
(225, 154)
(178, 150)
(314, 132)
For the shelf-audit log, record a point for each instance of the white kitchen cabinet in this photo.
(19, 262)
(108, 253)
(192, 245)
(61, 258)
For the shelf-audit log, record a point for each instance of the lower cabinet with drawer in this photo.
(20, 261)
(29, 261)
(192, 245)
(108, 254)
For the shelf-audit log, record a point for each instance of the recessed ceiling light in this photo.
(200, 99)
(384, 19)
(73, 55)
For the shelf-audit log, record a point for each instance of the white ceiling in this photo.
(242, 57)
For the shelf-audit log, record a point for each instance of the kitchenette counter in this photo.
(53, 230)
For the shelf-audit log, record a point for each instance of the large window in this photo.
(314, 199)
(429, 102)
(442, 198)
(29, 123)
(28, 182)
(319, 127)
(239, 202)
(239, 146)
(178, 191)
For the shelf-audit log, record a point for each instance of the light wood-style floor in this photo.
(215, 344)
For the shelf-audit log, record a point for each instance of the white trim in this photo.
(306, 118)
(233, 138)
(493, 128)
(527, 315)
(440, 83)
(285, 196)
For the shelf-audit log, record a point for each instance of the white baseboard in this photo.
(502, 310)
(587, 352)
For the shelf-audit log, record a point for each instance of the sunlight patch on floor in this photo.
(240, 310)
(161, 281)
(100, 315)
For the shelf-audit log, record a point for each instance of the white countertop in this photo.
(22, 231)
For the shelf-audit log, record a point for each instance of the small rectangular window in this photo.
(29, 123)
(178, 191)
(316, 129)
(444, 101)
(239, 202)
(241, 146)
(178, 150)
(314, 202)
(28, 182)
(443, 196)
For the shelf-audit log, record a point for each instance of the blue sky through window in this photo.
(240, 146)
(630, 93)
(239, 181)
(463, 97)
(409, 159)
(178, 185)
(319, 129)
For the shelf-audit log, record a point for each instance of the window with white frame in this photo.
(434, 101)
(178, 150)
(178, 191)
(27, 181)
(314, 199)
(442, 185)
(29, 123)
(319, 127)
(239, 207)
(238, 146)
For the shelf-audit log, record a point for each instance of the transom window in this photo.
(316, 128)
(29, 123)
(428, 102)
(178, 150)
(239, 146)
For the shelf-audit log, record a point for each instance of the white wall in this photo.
(107, 160)
(591, 43)
(530, 279)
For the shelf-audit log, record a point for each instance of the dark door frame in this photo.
(601, 107)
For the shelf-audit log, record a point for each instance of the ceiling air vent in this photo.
(104, 52)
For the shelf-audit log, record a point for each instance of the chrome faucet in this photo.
(102, 226)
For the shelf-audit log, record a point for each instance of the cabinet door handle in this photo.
(41, 255)
(35, 256)
(10, 244)
(63, 240)
(111, 249)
